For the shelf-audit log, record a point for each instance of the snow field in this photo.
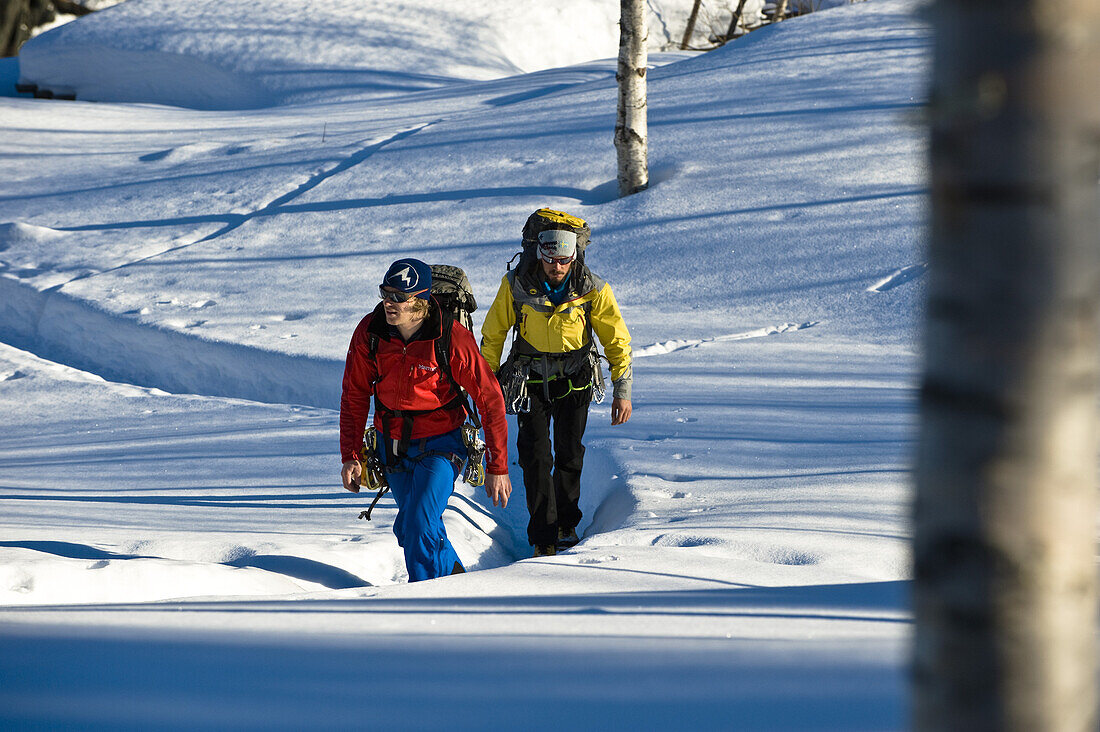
(177, 288)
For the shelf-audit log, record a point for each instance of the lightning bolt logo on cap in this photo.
(407, 276)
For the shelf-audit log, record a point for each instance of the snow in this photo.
(182, 264)
(210, 54)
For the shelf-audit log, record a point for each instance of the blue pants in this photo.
(421, 485)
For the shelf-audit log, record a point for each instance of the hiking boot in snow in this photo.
(545, 550)
(567, 539)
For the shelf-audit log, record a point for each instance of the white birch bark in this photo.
(1006, 507)
(631, 129)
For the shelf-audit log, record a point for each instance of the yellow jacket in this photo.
(559, 330)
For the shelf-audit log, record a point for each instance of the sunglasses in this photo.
(560, 261)
(397, 295)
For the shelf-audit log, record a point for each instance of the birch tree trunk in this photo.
(1005, 514)
(631, 132)
(780, 11)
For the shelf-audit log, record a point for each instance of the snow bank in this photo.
(228, 54)
(34, 577)
(72, 331)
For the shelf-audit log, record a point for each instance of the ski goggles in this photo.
(397, 295)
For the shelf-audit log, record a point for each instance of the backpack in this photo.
(451, 289)
(546, 219)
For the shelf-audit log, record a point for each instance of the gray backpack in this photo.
(451, 289)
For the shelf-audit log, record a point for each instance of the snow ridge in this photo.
(72, 331)
(899, 277)
(666, 347)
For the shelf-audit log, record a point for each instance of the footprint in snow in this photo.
(183, 152)
(790, 557)
(156, 156)
(290, 317)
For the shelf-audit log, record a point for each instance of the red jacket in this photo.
(406, 376)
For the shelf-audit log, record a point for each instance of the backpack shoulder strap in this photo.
(443, 358)
(443, 349)
(372, 351)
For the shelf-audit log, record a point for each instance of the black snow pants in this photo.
(552, 498)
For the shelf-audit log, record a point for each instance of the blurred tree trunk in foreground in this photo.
(19, 18)
(631, 127)
(1005, 514)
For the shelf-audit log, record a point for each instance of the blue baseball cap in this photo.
(410, 276)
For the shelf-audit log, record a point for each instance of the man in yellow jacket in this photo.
(555, 304)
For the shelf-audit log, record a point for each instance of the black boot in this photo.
(567, 539)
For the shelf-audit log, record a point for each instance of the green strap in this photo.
(572, 387)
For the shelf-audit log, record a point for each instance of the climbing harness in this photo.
(474, 473)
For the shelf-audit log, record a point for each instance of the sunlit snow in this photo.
(179, 281)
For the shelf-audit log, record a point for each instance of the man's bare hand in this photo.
(621, 410)
(351, 473)
(498, 488)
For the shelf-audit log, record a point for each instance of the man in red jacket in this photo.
(418, 414)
